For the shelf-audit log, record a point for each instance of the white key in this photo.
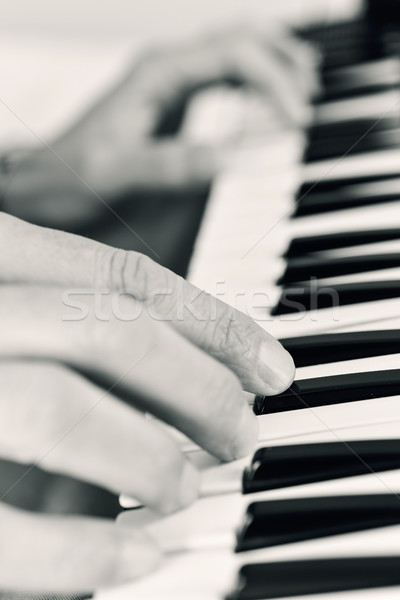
(369, 106)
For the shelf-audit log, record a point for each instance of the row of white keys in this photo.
(202, 536)
(191, 583)
(292, 426)
(238, 255)
(209, 576)
(325, 423)
(199, 541)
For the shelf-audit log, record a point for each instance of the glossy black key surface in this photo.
(344, 239)
(368, 140)
(333, 347)
(314, 205)
(335, 186)
(276, 522)
(306, 296)
(346, 197)
(301, 269)
(327, 131)
(283, 466)
(264, 581)
(335, 389)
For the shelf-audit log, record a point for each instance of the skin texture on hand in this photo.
(113, 149)
(75, 393)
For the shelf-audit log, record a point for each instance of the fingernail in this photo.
(138, 554)
(276, 367)
(189, 485)
(247, 435)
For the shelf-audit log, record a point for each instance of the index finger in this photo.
(38, 255)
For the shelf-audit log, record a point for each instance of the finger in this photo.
(143, 359)
(157, 165)
(260, 362)
(57, 420)
(301, 57)
(298, 56)
(267, 73)
(54, 554)
(236, 55)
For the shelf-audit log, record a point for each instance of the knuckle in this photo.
(235, 334)
(228, 333)
(125, 270)
(109, 267)
(138, 270)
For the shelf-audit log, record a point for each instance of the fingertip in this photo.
(286, 370)
(276, 367)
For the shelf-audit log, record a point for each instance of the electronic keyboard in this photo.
(302, 232)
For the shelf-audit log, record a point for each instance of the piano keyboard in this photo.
(302, 232)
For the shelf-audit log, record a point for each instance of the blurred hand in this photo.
(67, 362)
(117, 137)
(114, 147)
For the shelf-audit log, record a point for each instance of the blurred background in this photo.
(58, 56)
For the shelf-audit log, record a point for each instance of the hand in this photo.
(113, 148)
(171, 351)
(117, 138)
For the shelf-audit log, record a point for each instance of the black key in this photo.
(323, 132)
(301, 269)
(368, 141)
(333, 347)
(284, 466)
(311, 297)
(313, 205)
(346, 197)
(264, 581)
(318, 243)
(335, 389)
(336, 185)
(277, 522)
